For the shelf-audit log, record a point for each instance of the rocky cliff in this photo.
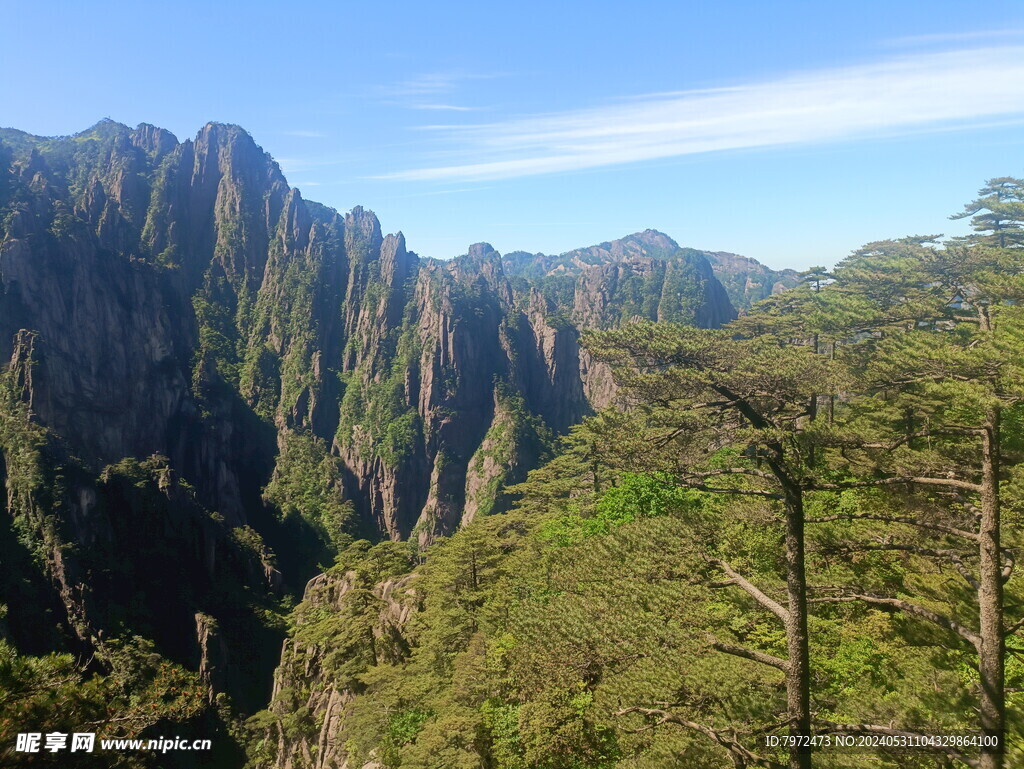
(346, 623)
(746, 280)
(256, 379)
(187, 302)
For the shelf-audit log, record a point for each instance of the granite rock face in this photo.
(746, 280)
(307, 678)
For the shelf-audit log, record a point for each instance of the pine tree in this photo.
(998, 211)
(735, 413)
(940, 368)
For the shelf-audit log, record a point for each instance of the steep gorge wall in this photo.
(188, 302)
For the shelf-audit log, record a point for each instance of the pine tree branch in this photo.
(761, 422)
(898, 604)
(969, 506)
(922, 434)
(734, 471)
(755, 417)
(741, 756)
(750, 654)
(774, 607)
(711, 405)
(896, 519)
(926, 377)
(909, 479)
(1015, 628)
(740, 492)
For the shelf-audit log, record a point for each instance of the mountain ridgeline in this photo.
(214, 385)
(181, 294)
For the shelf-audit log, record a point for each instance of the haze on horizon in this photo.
(792, 133)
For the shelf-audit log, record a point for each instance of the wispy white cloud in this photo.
(425, 84)
(909, 93)
(449, 191)
(433, 83)
(447, 107)
(431, 91)
(941, 38)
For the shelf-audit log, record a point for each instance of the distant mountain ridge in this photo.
(745, 280)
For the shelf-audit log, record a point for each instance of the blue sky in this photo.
(792, 132)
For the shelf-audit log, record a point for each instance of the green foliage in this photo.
(375, 414)
(515, 652)
(260, 380)
(137, 694)
(35, 487)
(402, 729)
(217, 340)
(307, 484)
(514, 438)
(635, 496)
(22, 443)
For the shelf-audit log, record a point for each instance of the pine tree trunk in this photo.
(991, 654)
(798, 678)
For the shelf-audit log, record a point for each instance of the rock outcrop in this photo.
(746, 280)
(308, 680)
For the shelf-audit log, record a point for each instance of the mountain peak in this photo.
(103, 129)
(214, 132)
(481, 249)
(649, 243)
(214, 125)
(652, 237)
